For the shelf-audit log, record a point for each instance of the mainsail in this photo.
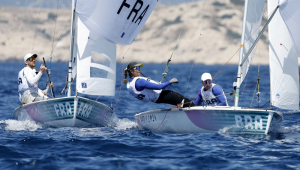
(252, 18)
(98, 26)
(284, 74)
(118, 21)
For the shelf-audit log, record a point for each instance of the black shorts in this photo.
(173, 98)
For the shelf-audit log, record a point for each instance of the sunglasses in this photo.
(137, 68)
(31, 59)
(207, 82)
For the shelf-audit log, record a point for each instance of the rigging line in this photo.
(54, 29)
(253, 95)
(120, 60)
(61, 34)
(254, 82)
(162, 120)
(242, 45)
(120, 85)
(250, 85)
(173, 52)
(36, 26)
(246, 78)
(121, 77)
(202, 24)
(258, 93)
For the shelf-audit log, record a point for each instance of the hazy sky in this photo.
(65, 3)
(175, 1)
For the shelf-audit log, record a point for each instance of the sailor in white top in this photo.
(211, 94)
(28, 79)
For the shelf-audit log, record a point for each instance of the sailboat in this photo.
(96, 27)
(284, 48)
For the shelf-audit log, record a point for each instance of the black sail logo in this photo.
(136, 12)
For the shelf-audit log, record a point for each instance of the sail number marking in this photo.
(148, 118)
(134, 10)
(84, 110)
(64, 109)
(248, 122)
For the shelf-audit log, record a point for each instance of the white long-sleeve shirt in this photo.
(28, 82)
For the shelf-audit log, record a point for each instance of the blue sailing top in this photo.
(142, 84)
(217, 91)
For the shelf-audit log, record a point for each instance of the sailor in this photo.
(147, 90)
(28, 79)
(211, 94)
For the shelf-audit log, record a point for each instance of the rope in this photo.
(268, 102)
(120, 85)
(240, 48)
(121, 77)
(54, 29)
(249, 86)
(196, 50)
(36, 26)
(136, 121)
(253, 95)
(162, 120)
(60, 35)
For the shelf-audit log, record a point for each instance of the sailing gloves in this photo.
(173, 80)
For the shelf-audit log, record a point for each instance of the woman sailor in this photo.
(148, 90)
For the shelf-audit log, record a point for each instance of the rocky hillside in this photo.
(204, 32)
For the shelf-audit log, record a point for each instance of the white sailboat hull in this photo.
(67, 112)
(201, 119)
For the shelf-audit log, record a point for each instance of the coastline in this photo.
(201, 32)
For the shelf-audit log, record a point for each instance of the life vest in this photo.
(145, 95)
(23, 85)
(208, 97)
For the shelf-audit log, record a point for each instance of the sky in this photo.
(65, 3)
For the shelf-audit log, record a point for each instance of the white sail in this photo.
(284, 75)
(96, 62)
(290, 12)
(118, 21)
(253, 19)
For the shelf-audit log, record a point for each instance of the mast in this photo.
(238, 78)
(71, 49)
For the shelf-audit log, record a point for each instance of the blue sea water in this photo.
(29, 145)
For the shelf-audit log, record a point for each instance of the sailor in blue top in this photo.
(147, 90)
(211, 94)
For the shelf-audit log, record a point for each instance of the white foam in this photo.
(15, 125)
(291, 129)
(125, 124)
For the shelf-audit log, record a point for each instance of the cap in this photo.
(29, 55)
(206, 76)
(134, 64)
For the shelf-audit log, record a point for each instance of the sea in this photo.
(31, 145)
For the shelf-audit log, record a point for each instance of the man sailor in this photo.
(147, 90)
(28, 79)
(212, 94)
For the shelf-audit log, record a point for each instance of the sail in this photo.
(254, 11)
(117, 21)
(290, 12)
(96, 62)
(284, 75)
